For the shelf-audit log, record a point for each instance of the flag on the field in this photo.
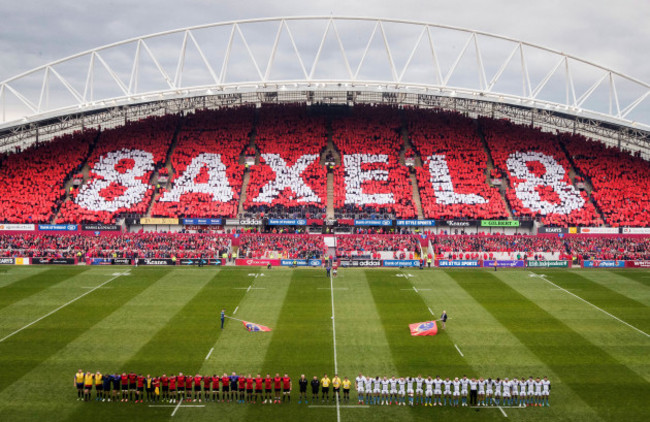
(428, 328)
(251, 326)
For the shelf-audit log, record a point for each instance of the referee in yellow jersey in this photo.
(346, 389)
(336, 384)
(88, 385)
(325, 388)
(79, 383)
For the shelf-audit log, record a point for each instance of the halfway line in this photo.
(336, 365)
(60, 307)
(600, 309)
(461, 353)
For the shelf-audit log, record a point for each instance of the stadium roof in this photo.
(326, 59)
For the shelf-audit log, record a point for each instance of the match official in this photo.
(443, 319)
(223, 317)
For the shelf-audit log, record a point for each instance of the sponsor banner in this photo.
(101, 227)
(19, 227)
(603, 264)
(416, 223)
(301, 262)
(558, 230)
(129, 221)
(637, 264)
(573, 230)
(458, 263)
(58, 227)
(121, 261)
(330, 222)
(196, 261)
(547, 264)
(256, 261)
(100, 261)
(287, 222)
(500, 223)
(636, 230)
(7, 261)
(243, 222)
(360, 263)
(156, 220)
(401, 263)
(155, 261)
(22, 261)
(459, 224)
(202, 221)
(53, 261)
(504, 263)
(383, 223)
(599, 230)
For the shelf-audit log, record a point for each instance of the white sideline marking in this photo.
(249, 288)
(505, 415)
(329, 288)
(461, 353)
(431, 311)
(497, 407)
(209, 353)
(61, 307)
(346, 406)
(336, 364)
(417, 290)
(172, 405)
(235, 311)
(600, 309)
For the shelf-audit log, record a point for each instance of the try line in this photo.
(63, 306)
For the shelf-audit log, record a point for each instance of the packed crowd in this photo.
(402, 246)
(453, 176)
(125, 245)
(286, 246)
(609, 247)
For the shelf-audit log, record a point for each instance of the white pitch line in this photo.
(461, 353)
(249, 288)
(505, 415)
(180, 402)
(209, 353)
(235, 311)
(60, 307)
(329, 288)
(600, 309)
(345, 406)
(336, 364)
(173, 405)
(416, 290)
(431, 311)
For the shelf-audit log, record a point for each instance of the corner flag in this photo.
(428, 328)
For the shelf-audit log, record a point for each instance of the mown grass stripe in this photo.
(25, 287)
(29, 348)
(640, 276)
(579, 363)
(13, 274)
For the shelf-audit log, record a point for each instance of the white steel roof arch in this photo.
(476, 68)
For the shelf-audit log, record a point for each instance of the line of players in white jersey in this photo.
(438, 392)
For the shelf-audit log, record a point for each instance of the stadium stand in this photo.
(281, 246)
(121, 166)
(32, 181)
(453, 176)
(500, 246)
(378, 246)
(538, 174)
(371, 180)
(609, 247)
(289, 180)
(207, 177)
(620, 180)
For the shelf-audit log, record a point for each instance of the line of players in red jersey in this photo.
(174, 388)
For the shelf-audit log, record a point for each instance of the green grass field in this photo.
(154, 320)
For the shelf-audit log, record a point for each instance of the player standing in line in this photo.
(243, 387)
(456, 384)
(140, 388)
(156, 389)
(489, 386)
(402, 391)
(473, 385)
(336, 387)
(522, 392)
(197, 387)
(189, 382)
(302, 384)
(497, 391)
(409, 390)
(447, 392)
(164, 382)
(215, 388)
(530, 384)
(346, 389)
(325, 388)
(507, 397)
(393, 390)
(286, 388)
(437, 391)
(419, 392)
(277, 386)
(359, 384)
(481, 392)
(268, 388)
(124, 386)
(225, 388)
(259, 385)
(428, 392)
(180, 380)
(148, 382)
(376, 390)
(79, 383)
(133, 380)
(207, 382)
(88, 385)
(368, 390)
(172, 388)
(546, 391)
(464, 382)
(514, 390)
(99, 386)
(538, 392)
(234, 383)
(384, 390)
(315, 386)
(106, 388)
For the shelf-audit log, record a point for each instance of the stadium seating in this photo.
(378, 246)
(620, 180)
(286, 246)
(121, 164)
(453, 176)
(538, 174)
(371, 179)
(289, 177)
(207, 177)
(32, 181)
(486, 246)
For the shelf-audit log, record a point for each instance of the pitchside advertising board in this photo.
(202, 221)
(360, 263)
(155, 261)
(17, 227)
(401, 263)
(553, 230)
(199, 261)
(58, 227)
(457, 224)
(287, 222)
(504, 263)
(53, 261)
(100, 227)
(638, 264)
(415, 223)
(301, 262)
(383, 223)
(636, 230)
(7, 261)
(547, 264)
(109, 261)
(458, 263)
(256, 262)
(603, 264)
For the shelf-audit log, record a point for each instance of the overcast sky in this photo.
(615, 34)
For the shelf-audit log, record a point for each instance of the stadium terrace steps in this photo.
(490, 166)
(417, 200)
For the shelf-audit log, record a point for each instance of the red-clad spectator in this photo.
(372, 245)
(282, 245)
